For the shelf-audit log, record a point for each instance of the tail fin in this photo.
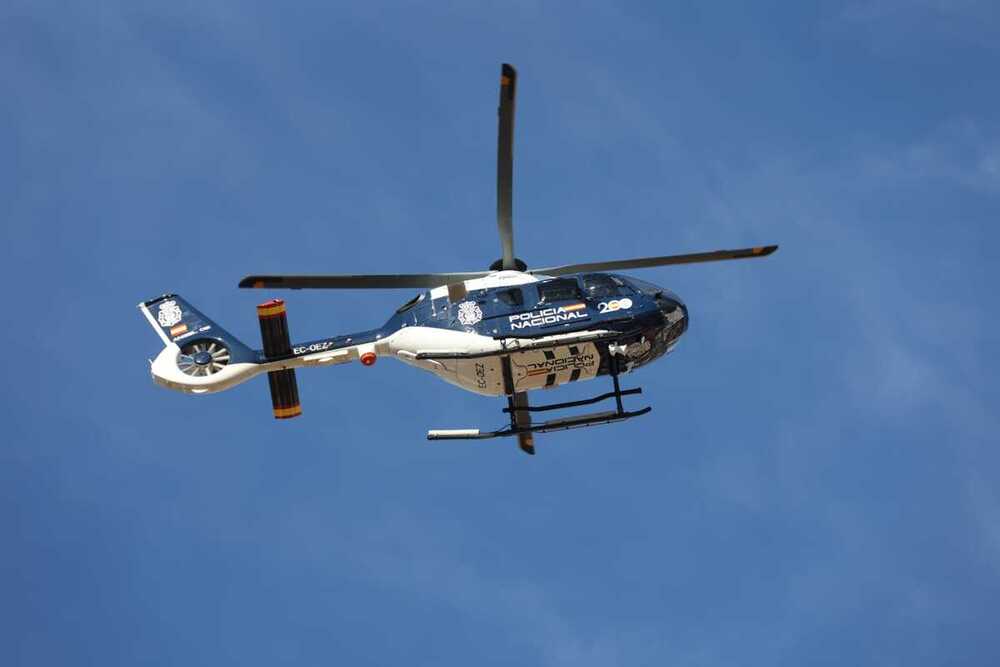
(176, 320)
(199, 356)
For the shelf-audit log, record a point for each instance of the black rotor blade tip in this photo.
(508, 80)
(258, 282)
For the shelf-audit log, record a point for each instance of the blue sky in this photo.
(817, 483)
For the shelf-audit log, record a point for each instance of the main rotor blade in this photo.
(526, 441)
(505, 163)
(383, 281)
(645, 262)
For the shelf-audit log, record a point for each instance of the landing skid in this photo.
(592, 419)
(520, 420)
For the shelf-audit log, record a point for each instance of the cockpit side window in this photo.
(601, 285)
(411, 303)
(558, 289)
(511, 297)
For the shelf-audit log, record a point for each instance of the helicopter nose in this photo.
(675, 309)
(671, 301)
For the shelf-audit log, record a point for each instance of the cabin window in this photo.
(601, 285)
(560, 289)
(511, 297)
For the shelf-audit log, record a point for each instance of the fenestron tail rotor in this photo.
(201, 358)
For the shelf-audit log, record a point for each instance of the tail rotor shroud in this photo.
(203, 358)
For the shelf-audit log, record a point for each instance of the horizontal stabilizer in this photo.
(277, 344)
(284, 394)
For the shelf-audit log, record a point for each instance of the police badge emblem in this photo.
(469, 313)
(169, 314)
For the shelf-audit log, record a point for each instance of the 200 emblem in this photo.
(612, 306)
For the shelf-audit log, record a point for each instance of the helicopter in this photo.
(501, 332)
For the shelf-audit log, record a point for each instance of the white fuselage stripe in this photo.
(495, 279)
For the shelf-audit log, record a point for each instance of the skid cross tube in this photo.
(576, 404)
(519, 425)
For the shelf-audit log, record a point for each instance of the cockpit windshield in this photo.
(646, 288)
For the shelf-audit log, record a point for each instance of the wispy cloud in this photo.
(414, 555)
(959, 153)
(878, 10)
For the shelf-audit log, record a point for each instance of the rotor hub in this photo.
(519, 265)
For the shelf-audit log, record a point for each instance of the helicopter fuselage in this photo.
(554, 330)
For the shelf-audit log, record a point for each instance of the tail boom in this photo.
(200, 357)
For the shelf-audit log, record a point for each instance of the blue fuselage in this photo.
(650, 319)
